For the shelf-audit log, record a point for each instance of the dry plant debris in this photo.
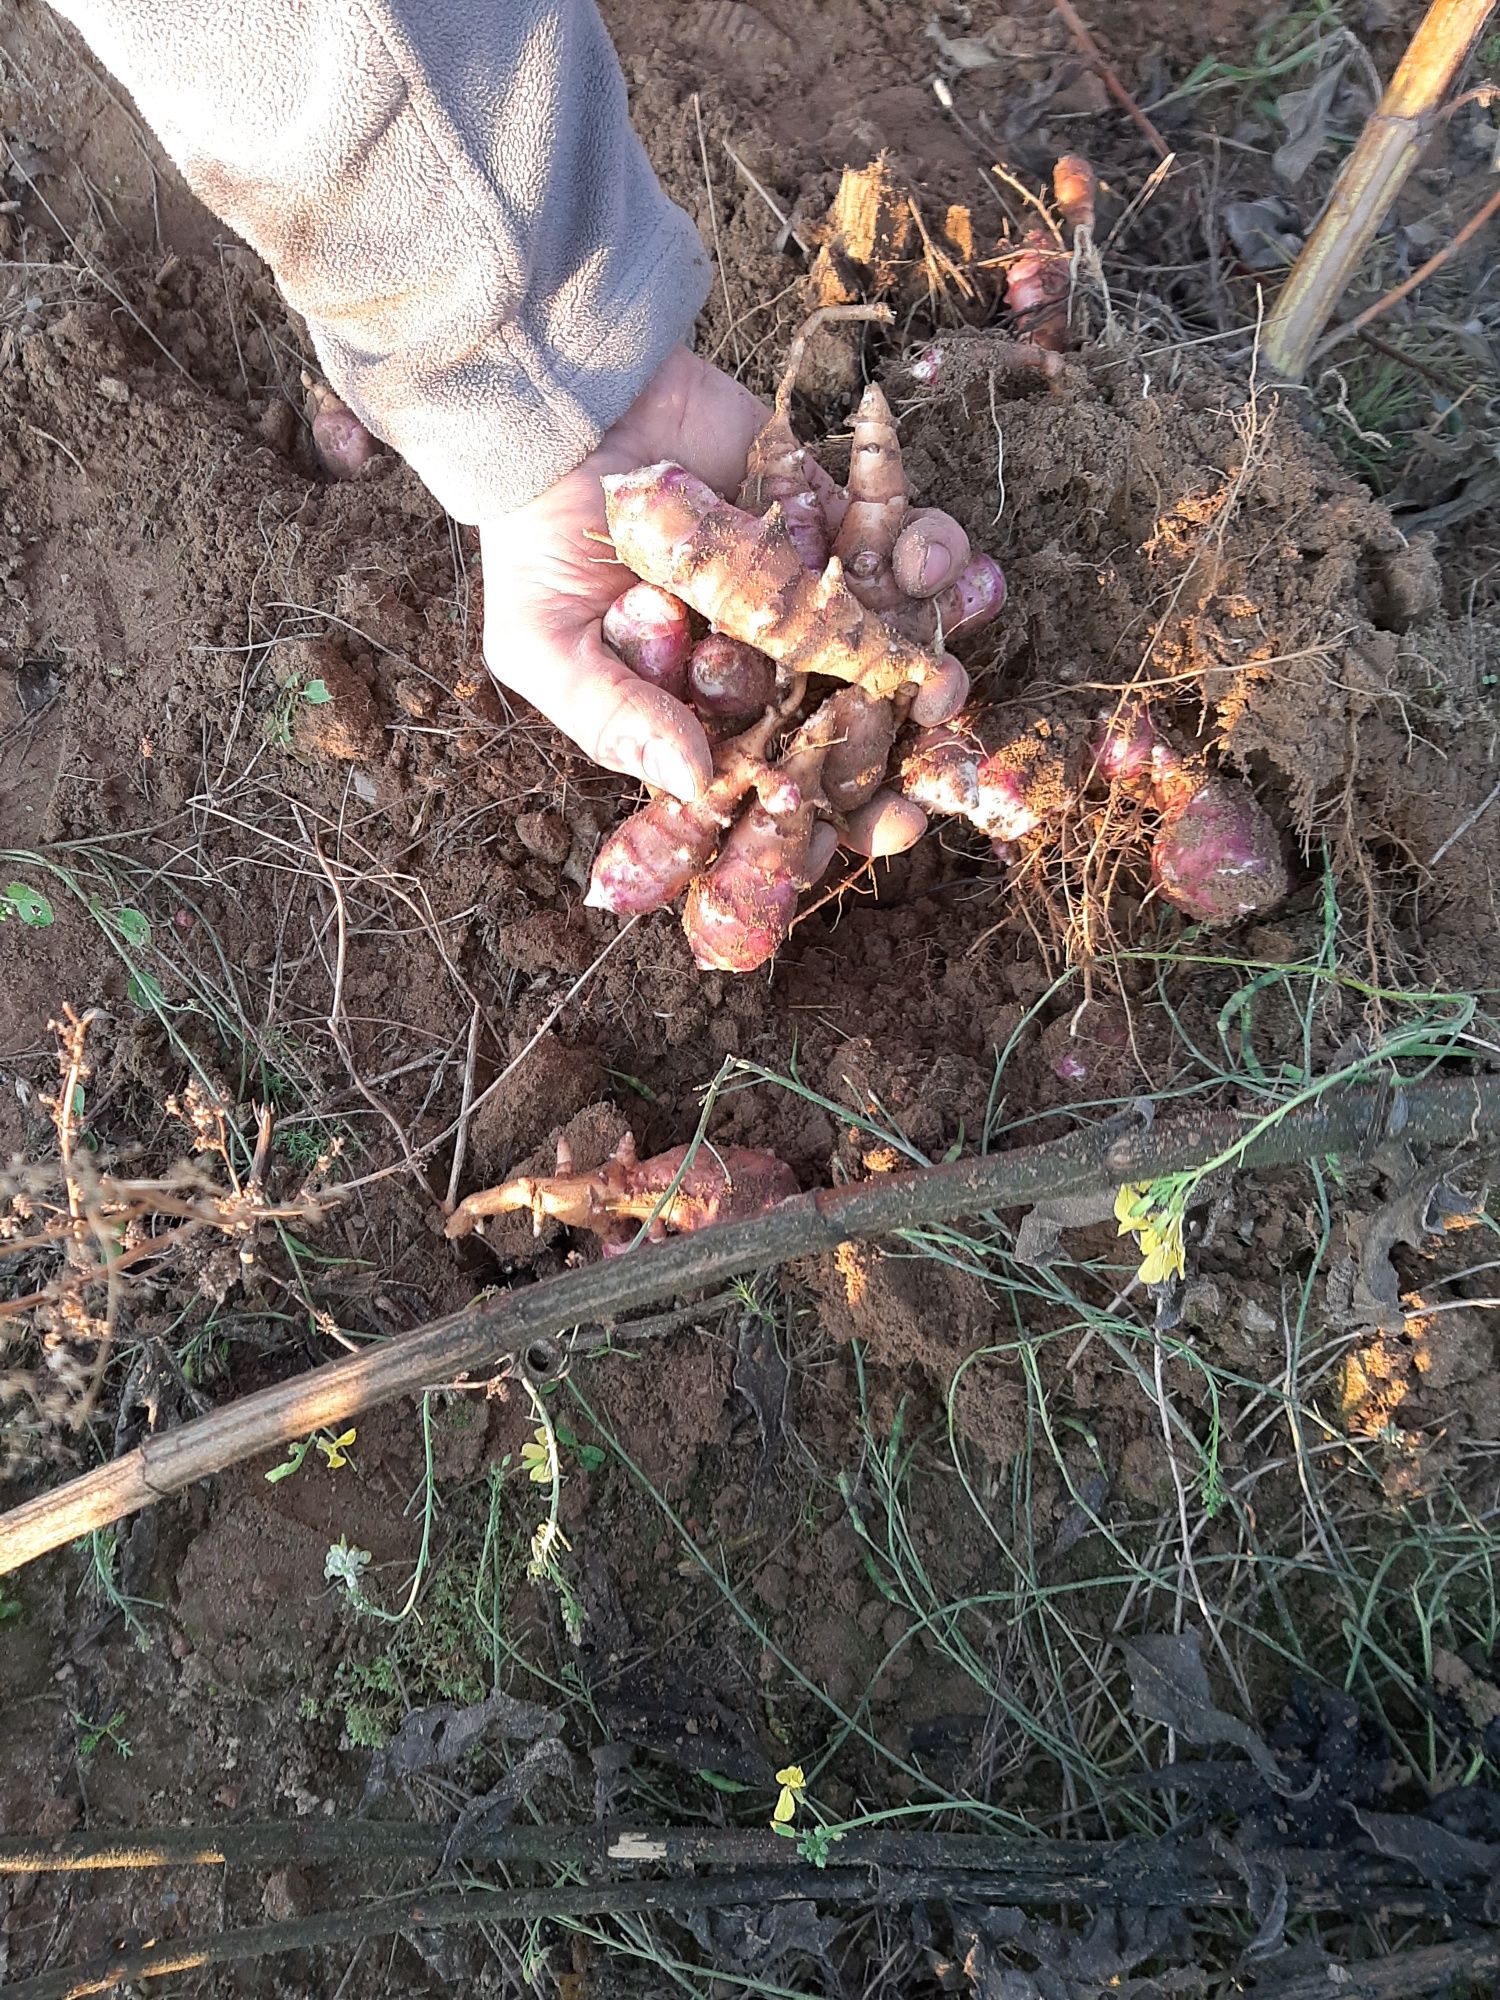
(72, 1232)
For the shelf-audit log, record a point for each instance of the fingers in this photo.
(930, 552)
(615, 719)
(941, 695)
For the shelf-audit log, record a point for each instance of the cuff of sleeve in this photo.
(501, 424)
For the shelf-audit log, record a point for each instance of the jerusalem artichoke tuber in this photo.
(744, 575)
(1216, 856)
(651, 632)
(728, 682)
(650, 858)
(718, 1184)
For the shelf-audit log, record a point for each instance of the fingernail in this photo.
(937, 561)
(667, 769)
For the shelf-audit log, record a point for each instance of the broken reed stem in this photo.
(1140, 1873)
(519, 1324)
(1371, 178)
(891, 1864)
(1092, 1874)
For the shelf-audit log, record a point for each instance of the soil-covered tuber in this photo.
(343, 444)
(1217, 856)
(669, 1192)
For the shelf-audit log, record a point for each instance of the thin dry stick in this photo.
(1418, 277)
(713, 220)
(1464, 825)
(519, 1324)
(1372, 176)
(1107, 76)
(461, 1142)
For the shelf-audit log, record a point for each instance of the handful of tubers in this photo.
(813, 676)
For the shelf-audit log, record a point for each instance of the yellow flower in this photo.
(1132, 1206)
(1158, 1232)
(333, 1448)
(792, 1784)
(536, 1456)
(1162, 1254)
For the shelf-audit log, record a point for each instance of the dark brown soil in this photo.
(175, 573)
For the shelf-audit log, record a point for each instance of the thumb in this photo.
(616, 720)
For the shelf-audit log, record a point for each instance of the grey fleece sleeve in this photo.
(450, 192)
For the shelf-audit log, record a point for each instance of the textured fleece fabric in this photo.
(450, 192)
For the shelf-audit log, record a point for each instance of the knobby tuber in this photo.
(729, 683)
(341, 441)
(717, 1184)
(743, 574)
(650, 858)
(1039, 278)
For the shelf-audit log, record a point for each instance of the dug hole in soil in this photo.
(177, 574)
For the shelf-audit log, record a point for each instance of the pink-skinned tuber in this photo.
(343, 444)
(798, 586)
(729, 683)
(652, 856)
(1216, 856)
(651, 632)
(671, 1192)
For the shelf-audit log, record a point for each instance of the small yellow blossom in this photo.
(333, 1448)
(1157, 1231)
(536, 1456)
(793, 1784)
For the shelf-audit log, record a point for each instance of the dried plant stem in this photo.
(893, 1864)
(516, 1324)
(1372, 176)
(1107, 77)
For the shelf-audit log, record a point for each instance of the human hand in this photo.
(549, 579)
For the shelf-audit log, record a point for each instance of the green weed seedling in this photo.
(92, 1734)
(282, 719)
(27, 905)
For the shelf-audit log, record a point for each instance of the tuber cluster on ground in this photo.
(810, 679)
